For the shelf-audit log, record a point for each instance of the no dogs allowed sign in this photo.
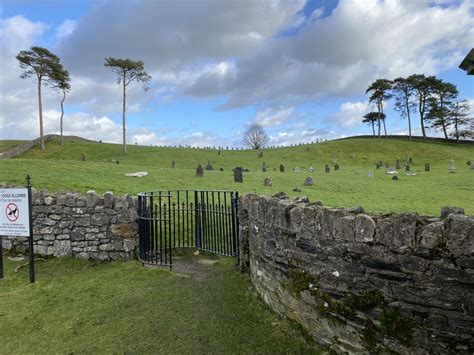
(14, 213)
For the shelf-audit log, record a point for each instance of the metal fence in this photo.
(171, 219)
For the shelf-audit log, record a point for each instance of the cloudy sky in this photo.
(298, 68)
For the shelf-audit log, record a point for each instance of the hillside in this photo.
(60, 168)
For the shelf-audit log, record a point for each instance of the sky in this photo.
(298, 68)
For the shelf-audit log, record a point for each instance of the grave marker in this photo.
(407, 167)
(308, 181)
(326, 168)
(282, 168)
(199, 171)
(267, 182)
(398, 165)
(209, 165)
(173, 164)
(83, 157)
(238, 174)
(427, 167)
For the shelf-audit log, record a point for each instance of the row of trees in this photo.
(434, 100)
(46, 68)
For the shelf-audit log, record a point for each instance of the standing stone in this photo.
(83, 157)
(308, 181)
(238, 175)
(326, 168)
(173, 164)
(267, 182)
(407, 167)
(199, 171)
(209, 165)
(336, 167)
(427, 167)
(452, 167)
(398, 165)
(282, 168)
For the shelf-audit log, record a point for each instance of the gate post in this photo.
(197, 221)
(235, 221)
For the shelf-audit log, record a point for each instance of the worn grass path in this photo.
(79, 306)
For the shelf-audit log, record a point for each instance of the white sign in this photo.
(14, 213)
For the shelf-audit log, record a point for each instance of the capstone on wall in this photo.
(87, 226)
(363, 283)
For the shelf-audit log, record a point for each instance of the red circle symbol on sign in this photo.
(12, 212)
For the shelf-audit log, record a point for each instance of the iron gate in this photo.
(171, 219)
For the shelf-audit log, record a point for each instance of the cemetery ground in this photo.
(105, 167)
(80, 306)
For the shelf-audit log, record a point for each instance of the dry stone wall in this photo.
(363, 283)
(83, 226)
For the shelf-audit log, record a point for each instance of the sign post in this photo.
(16, 220)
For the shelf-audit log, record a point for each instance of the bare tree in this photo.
(255, 136)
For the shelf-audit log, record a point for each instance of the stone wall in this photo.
(363, 283)
(91, 226)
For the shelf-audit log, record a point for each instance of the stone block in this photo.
(78, 233)
(431, 236)
(62, 248)
(365, 228)
(459, 234)
(344, 228)
(446, 211)
(397, 231)
(48, 200)
(123, 231)
(109, 199)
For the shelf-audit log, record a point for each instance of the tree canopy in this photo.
(255, 136)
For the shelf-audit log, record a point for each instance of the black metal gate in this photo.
(171, 219)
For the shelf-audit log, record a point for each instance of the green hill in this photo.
(59, 168)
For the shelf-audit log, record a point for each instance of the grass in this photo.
(80, 306)
(9, 144)
(59, 168)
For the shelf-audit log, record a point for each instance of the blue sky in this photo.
(298, 68)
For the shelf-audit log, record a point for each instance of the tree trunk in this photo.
(124, 129)
(444, 130)
(422, 121)
(384, 128)
(62, 115)
(378, 119)
(456, 128)
(407, 104)
(373, 128)
(40, 111)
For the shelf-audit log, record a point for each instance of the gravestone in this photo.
(394, 177)
(260, 154)
(469, 163)
(282, 168)
(398, 165)
(199, 171)
(370, 174)
(377, 166)
(83, 157)
(427, 167)
(238, 174)
(173, 164)
(118, 162)
(307, 149)
(209, 165)
(219, 152)
(326, 168)
(311, 169)
(452, 167)
(336, 167)
(221, 169)
(264, 167)
(308, 181)
(407, 167)
(410, 160)
(296, 189)
(267, 182)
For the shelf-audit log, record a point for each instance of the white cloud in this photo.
(349, 115)
(65, 29)
(273, 117)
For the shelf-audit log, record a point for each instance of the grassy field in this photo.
(79, 306)
(8, 144)
(59, 168)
